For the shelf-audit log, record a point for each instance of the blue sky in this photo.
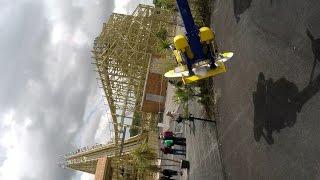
(50, 102)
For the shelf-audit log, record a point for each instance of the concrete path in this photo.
(202, 148)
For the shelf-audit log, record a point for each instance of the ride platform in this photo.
(221, 68)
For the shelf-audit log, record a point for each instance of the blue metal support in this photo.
(192, 31)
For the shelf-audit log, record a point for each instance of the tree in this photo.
(144, 158)
(157, 3)
(182, 95)
(165, 4)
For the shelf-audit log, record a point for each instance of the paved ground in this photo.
(269, 128)
(172, 106)
(202, 148)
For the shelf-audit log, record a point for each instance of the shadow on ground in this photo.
(239, 7)
(276, 103)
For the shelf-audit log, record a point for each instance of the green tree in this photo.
(157, 3)
(144, 158)
(182, 95)
(165, 4)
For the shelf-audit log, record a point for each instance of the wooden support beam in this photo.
(104, 169)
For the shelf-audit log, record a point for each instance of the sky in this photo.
(50, 103)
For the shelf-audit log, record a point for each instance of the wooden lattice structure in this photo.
(85, 159)
(122, 54)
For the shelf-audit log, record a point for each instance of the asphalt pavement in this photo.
(269, 100)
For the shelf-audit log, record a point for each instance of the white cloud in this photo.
(58, 33)
(86, 176)
(121, 6)
(127, 6)
(22, 148)
(79, 38)
(45, 66)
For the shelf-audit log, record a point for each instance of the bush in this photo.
(144, 159)
(182, 96)
(165, 45)
(162, 34)
(165, 4)
(201, 12)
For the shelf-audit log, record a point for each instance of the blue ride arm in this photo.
(192, 31)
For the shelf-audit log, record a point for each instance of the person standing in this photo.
(168, 143)
(168, 136)
(165, 178)
(169, 173)
(179, 141)
(171, 135)
(167, 150)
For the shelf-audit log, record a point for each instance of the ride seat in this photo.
(181, 44)
(206, 35)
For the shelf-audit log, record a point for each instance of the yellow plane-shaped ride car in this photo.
(202, 71)
(198, 69)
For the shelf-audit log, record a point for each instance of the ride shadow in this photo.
(276, 103)
(274, 108)
(239, 7)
